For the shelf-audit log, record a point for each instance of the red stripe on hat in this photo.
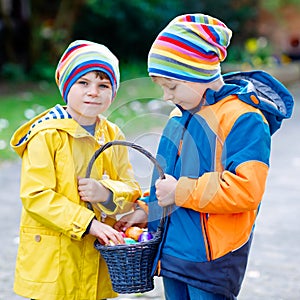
(72, 50)
(189, 18)
(185, 46)
(207, 30)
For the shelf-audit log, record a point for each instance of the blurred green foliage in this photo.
(128, 28)
(273, 5)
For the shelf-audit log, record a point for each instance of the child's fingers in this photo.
(118, 225)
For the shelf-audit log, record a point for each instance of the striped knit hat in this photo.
(82, 57)
(190, 48)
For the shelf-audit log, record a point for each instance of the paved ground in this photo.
(274, 267)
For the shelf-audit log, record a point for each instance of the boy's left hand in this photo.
(165, 190)
(90, 190)
(136, 218)
(105, 233)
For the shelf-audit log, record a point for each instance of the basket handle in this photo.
(128, 144)
(122, 143)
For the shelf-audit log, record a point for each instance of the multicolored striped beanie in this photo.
(82, 57)
(190, 48)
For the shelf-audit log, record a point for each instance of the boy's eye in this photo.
(82, 82)
(104, 86)
(172, 88)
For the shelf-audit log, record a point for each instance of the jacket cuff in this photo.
(109, 203)
(80, 223)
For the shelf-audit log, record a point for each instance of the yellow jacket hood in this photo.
(54, 118)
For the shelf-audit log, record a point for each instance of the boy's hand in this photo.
(165, 190)
(105, 233)
(136, 218)
(90, 190)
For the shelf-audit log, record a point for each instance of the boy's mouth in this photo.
(92, 103)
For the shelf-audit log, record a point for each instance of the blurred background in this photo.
(34, 34)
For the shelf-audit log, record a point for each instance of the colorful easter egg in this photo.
(129, 241)
(145, 236)
(133, 232)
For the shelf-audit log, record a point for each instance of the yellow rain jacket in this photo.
(56, 260)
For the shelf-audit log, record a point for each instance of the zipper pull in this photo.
(105, 176)
(103, 216)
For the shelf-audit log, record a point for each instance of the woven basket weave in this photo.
(130, 266)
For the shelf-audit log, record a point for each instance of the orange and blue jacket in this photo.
(219, 153)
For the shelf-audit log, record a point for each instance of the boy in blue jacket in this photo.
(215, 151)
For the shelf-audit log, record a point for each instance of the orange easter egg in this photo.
(133, 232)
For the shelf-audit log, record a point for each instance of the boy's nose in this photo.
(93, 91)
(168, 96)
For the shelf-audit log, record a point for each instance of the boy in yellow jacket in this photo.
(56, 257)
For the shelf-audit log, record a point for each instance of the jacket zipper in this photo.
(203, 217)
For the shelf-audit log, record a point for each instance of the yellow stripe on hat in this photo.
(206, 65)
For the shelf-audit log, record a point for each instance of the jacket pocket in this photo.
(38, 255)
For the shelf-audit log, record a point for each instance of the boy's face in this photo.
(89, 96)
(184, 93)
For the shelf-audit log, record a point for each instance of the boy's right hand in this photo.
(91, 190)
(136, 218)
(105, 233)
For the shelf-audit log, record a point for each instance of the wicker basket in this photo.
(130, 266)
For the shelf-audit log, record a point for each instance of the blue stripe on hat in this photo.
(159, 72)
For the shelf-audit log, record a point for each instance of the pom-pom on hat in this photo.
(82, 57)
(190, 48)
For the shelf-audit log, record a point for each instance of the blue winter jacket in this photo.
(219, 153)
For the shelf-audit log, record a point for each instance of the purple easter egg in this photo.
(145, 236)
